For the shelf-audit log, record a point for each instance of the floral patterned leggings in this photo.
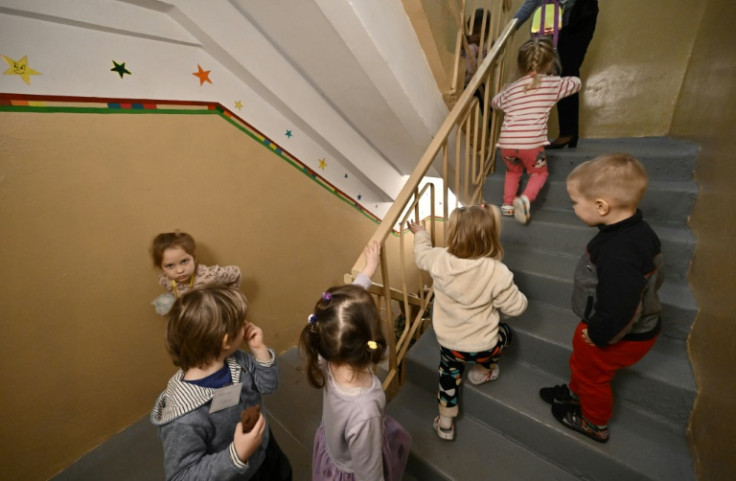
(452, 366)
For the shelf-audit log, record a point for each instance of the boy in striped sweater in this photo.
(526, 104)
(198, 416)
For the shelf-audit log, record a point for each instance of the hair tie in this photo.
(312, 318)
(372, 345)
(326, 296)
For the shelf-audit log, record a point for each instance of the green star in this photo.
(120, 69)
(288, 133)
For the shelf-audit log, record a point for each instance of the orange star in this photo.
(202, 75)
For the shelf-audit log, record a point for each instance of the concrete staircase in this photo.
(505, 431)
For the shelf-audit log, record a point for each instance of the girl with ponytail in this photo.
(526, 104)
(342, 340)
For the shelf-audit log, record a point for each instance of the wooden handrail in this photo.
(425, 162)
(480, 133)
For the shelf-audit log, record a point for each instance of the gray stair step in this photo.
(133, 453)
(661, 384)
(663, 157)
(562, 231)
(665, 202)
(478, 452)
(641, 447)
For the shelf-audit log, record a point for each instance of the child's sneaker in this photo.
(521, 209)
(507, 210)
(478, 374)
(446, 434)
(571, 417)
(560, 394)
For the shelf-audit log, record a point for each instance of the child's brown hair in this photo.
(618, 178)
(345, 328)
(167, 240)
(475, 232)
(198, 322)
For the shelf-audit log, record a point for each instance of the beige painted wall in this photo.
(81, 197)
(436, 31)
(706, 112)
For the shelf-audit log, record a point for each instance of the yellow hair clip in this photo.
(372, 345)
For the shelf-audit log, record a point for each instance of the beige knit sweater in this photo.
(469, 294)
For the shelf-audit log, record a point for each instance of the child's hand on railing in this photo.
(372, 256)
(414, 227)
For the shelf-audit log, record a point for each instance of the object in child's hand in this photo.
(249, 417)
(163, 303)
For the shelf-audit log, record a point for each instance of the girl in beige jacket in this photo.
(471, 288)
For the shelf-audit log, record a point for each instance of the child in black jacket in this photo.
(614, 293)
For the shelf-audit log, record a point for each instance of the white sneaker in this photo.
(446, 434)
(507, 210)
(479, 375)
(521, 209)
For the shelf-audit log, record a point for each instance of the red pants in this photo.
(592, 369)
(516, 160)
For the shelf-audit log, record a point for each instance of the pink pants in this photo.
(535, 163)
(592, 369)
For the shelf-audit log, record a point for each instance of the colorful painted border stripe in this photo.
(42, 103)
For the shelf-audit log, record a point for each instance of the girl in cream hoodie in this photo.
(471, 288)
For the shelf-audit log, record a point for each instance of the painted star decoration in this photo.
(288, 133)
(120, 69)
(322, 164)
(202, 75)
(20, 68)
(239, 105)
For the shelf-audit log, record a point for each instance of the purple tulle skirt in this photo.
(396, 446)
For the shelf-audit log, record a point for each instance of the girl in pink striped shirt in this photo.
(526, 104)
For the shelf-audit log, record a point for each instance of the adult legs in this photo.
(572, 45)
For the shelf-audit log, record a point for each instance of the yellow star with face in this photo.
(322, 164)
(239, 105)
(21, 68)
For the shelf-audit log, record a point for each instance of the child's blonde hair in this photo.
(618, 178)
(198, 322)
(345, 328)
(539, 56)
(474, 232)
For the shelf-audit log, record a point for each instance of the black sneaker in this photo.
(571, 417)
(558, 395)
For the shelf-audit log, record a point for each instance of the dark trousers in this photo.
(276, 466)
(572, 44)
